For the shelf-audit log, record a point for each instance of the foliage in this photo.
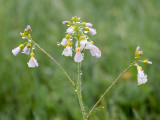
(40, 94)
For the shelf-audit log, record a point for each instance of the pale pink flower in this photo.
(16, 50)
(64, 41)
(88, 25)
(67, 51)
(70, 30)
(64, 22)
(95, 51)
(142, 77)
(83, 43)
(92, 31)
(26, 50)
(88, 45)
(32, 62)
(78, 57)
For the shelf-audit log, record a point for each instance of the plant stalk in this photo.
(107, 90)
(79, 90)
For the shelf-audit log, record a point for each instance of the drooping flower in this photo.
(16, 50)
(142, 77)
(70, 30)
(64, 41)
(28, 27)
(83, 42)
(78, 56)
(32, 62)
(92, 31)
(26, 50)
(68, 50)
(95, 51)
(147, 62)
(88, 25)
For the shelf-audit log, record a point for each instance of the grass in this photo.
(41, 94)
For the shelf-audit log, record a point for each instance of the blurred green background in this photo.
(42, 94)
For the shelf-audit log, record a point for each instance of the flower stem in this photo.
(70, 80)
(79, 94)
(107, 90)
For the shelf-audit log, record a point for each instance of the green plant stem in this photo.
(79, 90)
(70, 80)
(114, 82)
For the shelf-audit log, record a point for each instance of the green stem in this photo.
(107, 90)
(70, 80)
(79, 94)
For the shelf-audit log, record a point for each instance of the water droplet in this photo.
(81, 73)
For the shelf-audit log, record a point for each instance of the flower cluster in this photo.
(26, 50)
(141, 76)
(77, 33)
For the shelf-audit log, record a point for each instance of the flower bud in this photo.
(83, 23)
(147, 62)
(67, 36)
(86, 28)
(139, 68)
(77, 49)
(69, 44)
(92, 42)
(75, 19)
(21, 46)
(32, 54)
(28, 45)
(83, 37)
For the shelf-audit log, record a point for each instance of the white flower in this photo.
(88, 45)
(67, 51)
(16, 50)
(95, 51)
(88, 25)
(70, 30)
(64, 41)
(92, 31)
(83, 43)
(78, 57)
(26, 50)
(32, 62)
(142, 77)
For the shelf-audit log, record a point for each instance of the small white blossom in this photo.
(88, 25)
(32, 62)
(95, 51)
(64, 22)
(70, 30)
(83, 43)
(78, 57)
(26, 50)
(142, 77)
(88, 45)
(64, 41)
(92, 31)
(67, 51)
(16, 50)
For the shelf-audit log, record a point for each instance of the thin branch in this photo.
(70, 80)
(114, 82)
